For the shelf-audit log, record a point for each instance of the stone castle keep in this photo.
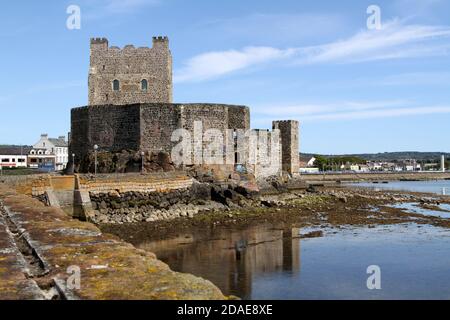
(130, 75)
(130, 109)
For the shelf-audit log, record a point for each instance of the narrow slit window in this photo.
(144, 85)
(116, 85)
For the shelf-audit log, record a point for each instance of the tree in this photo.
(321, 162)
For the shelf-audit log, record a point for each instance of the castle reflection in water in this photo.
(231, 258)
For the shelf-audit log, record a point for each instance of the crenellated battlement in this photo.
(160, 39)
(99, 40)
(103, 43)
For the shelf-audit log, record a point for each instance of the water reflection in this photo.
(232, 258)
(263, 262)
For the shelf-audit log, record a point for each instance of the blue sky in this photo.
(353, 89)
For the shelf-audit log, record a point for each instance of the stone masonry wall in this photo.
(157, 122)
(289, 132)
(112, 128)
(130, 66)
(156, 182)
(146, 127)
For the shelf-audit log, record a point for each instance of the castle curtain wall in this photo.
(147, 127)
(157, 122)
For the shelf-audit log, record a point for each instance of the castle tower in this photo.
(289, 133)
(130, 75)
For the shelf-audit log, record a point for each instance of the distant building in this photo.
(431, 166)
(14, 156)
(48, 153)
(375, 166)
(364, 168)
(309, 170)
(306, 165)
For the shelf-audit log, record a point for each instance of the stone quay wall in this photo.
(51, 242)
(156, 182)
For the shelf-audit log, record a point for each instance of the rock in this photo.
(268, 203)
(217, 195)
(102, 218)
(230, 194)
(343, 199)
(116, 205)
(279, 186)
(114, 194)
(248, 189)
(312, 234)
(164, 205)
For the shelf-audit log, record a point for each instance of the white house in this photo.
(13, 156)
(48, 150)
(306, 165)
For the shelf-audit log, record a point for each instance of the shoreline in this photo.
(103, 250)
(377, 176)
(346, 206)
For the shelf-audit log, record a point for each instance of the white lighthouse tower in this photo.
(443, 163)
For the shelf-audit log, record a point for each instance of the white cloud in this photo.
(348, 111)
(302, 110)
(394, 41)
(389, 113)
(214, 64)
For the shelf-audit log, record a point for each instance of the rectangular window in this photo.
(21, 160)
(4, 160)
(33, 160)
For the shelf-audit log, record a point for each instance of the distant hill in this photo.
(390, 156)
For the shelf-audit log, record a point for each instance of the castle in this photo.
(130, 108)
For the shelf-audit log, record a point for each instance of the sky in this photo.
(354, 89)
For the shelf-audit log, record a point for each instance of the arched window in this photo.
(116, 85)
(144, 85)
